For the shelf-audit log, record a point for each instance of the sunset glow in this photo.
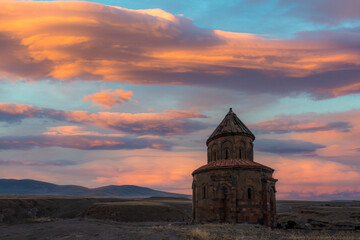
(95, 94)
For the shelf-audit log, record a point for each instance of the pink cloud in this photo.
(108, 99)
(342, 91)
(89, 41)
(75, 131)
(343, 132)
(323, 163)
(19, 110)
(286, 124)
(337, 134)
(301, 179)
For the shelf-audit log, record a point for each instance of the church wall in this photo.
(233, 191)
(223, 195)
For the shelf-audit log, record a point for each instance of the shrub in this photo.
(197, 234)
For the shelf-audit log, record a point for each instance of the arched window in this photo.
(214, 155)
(227, 153)
(204, 192)
(226, 147)
(249, 193)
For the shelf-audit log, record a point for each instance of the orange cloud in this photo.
(90, 41)
(19, 109)
(75, 131)
(343, 90)
(108, 99)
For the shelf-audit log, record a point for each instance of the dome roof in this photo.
(230, 125)
(232, 163)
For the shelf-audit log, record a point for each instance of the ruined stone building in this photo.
(231, 187)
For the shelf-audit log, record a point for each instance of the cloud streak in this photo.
(286, 146)
(81, 142)
(37, 163)
(167, 123)
(108, 99)
(76, 131)
(286, 125)
(325, 137)
(89, 41)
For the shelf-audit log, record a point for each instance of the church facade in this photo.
(231, 187)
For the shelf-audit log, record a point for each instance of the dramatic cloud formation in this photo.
(57, 54)
(108, 99)
(88, 41)
(169, 122)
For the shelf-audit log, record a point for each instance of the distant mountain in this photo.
(32, 187)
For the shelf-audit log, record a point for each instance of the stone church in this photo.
(231, 187)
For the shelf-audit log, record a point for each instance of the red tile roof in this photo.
(231, 163)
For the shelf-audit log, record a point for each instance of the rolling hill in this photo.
(33, 187)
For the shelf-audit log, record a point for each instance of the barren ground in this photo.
(158, 218)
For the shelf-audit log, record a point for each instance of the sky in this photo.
(126, 92)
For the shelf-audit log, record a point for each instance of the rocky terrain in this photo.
(21, 209)
(29, 217)
(333, 215)
(147, 210)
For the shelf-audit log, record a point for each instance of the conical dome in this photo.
(230, 125)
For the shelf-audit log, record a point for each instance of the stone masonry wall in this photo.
(239, 146)
(234, 195)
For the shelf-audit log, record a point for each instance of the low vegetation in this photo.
(197, 234)
(166, 218)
